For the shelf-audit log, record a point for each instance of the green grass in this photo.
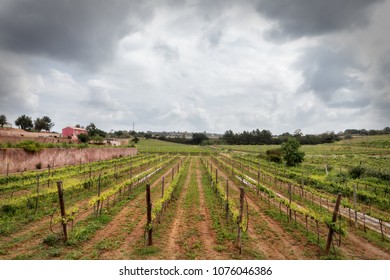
(154, 145)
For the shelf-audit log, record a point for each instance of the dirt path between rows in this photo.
(173, 249)
(207, 235)
(114, 228)
(286, 247)
(357, 247)
(127, 216)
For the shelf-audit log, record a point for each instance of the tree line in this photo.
(265, 137)
(26, 123)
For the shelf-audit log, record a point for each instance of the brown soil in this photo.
(355, 247)
(286, 248)
(115, 228)
(173, 250)
(207, 236)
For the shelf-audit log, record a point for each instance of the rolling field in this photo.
(221, 202)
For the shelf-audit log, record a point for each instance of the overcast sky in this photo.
(206, 65)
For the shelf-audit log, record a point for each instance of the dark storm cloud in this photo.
(326, 72)
(299, 18)
(80, 31)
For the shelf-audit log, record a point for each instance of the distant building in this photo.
(72, 132)
(7, 125)
(112, 142)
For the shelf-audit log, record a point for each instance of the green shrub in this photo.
(356, 171)
(274, 155)
(30, 146)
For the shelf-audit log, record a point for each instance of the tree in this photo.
(291, 153)
(83, 137)
(3, 120)
(24, 122)
(135, 140)
(93, 131)
(43, 123)
(198, 138)
(48, 123)
(228, 137)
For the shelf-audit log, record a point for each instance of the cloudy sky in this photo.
(204, 65)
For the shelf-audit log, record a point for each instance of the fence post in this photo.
(227, 202)
(354, 205)
(239, 241)
(162, 187)
(334, 218)
(381, 226)
(149, 215)
(62, 207)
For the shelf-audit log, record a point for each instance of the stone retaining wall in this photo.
(16, 160)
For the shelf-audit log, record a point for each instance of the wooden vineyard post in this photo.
(258, 182)
(216, 176)
(334, 218)
(381, 226)
(239, 241)
(227, 202)
(162, 187)
(149, 215)
(62, 207)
